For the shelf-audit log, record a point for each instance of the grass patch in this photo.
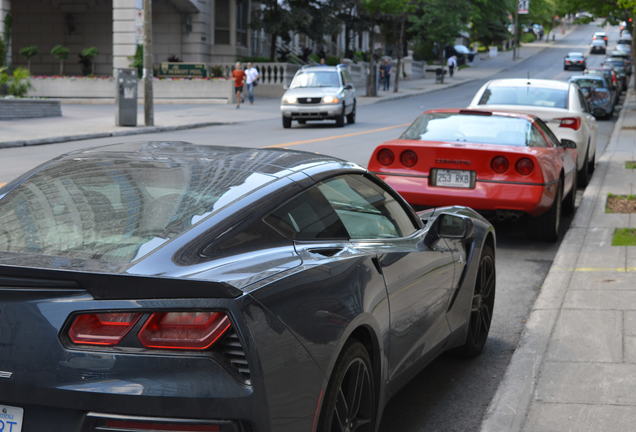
(464, 66)
(620, 203)
(624, 237)
(630, 164)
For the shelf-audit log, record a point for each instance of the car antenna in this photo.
(528, 77)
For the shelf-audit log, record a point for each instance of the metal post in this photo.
(149, 116)
(515, 44)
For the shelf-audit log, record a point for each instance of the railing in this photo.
(277, 74)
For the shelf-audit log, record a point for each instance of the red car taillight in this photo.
(499, 164)
(408, 158)
(385, 157)
(105, 329)
(570, 122)
(183, 330)
(524, 166)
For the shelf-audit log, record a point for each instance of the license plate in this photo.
(10, 418)
(453, 178)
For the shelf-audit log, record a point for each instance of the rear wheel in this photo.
(351, 117)
(287, 122)
(569, 205)
(592, 166)
(584, 172)
(546, 227)
(482, 306)
(351, 398)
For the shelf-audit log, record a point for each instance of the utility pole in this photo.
(515, 43)
(149, 115)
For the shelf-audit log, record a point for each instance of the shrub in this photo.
(332, 60)
(28, 52)
(528, 37)
(61, 52)
(17, 83)
(216, 71)
(86, 57)
(137, 61)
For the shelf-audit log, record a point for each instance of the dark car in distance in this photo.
(163, 286)
(598, 92)
(574, 60)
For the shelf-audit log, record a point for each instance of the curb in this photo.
(117, 133)
(508, 410)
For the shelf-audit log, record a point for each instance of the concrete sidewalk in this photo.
(575, 367)
(86, 121)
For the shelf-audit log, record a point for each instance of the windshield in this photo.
(575, 55)
(114, 210)
(316, 79)
(527, 95)
(590, 83)
(482, 129)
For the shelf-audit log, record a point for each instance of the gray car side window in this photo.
(366, 209)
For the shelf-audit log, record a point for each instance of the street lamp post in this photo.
(149, 115)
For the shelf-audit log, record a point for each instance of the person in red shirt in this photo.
(238, 75)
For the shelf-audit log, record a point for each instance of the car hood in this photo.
(312, 91)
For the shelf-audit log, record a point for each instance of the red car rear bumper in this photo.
(532, 199)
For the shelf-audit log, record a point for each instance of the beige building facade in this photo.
(206, 31)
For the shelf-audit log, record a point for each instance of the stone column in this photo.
(5, 8)
(125, 35)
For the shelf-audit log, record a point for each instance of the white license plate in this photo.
(10, 418)
(453, 178)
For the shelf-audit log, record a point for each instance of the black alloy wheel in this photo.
(351, 400)
(482, 306)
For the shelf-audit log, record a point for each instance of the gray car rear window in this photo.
(115, 210)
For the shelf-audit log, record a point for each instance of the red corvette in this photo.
(501, 164)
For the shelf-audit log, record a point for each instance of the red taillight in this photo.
(106, 329)
(385, 157)
(137, 425)
(499, 164)
(183, 330)
(524, 166)
(570, 122)
(408, 158)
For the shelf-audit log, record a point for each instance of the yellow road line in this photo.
(334, 137)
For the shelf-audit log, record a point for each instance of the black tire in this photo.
(569, 205)
(287, 122)
(340, 118)
(546, 227)
(351, 117)
(583, 175)
(592, 166)
(482, 306)
(341, 409)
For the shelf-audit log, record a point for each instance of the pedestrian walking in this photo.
(238, 75)
(251, 81)
(385, 75)
(452, 64)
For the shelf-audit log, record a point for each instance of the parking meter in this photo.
(126, 97)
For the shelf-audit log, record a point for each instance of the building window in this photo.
(222, 22)
(242, 11)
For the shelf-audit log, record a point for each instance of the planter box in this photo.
(11, 109)
(104, 88)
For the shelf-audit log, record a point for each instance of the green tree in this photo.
(16, 83)
(61, 53)
(490, 20)
(86, 59)
(28, 52)
(273, 17)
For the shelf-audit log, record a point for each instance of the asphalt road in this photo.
(450, 394)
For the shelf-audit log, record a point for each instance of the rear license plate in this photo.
(453, 178)
(10, 418)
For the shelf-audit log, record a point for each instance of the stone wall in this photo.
(28, 108)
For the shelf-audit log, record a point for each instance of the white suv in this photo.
(320, 93)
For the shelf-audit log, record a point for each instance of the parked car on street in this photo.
(162, 286)
(559, 104)
(610, 76)
(320, 93)
(505, 165)
(621, 69)
(598, 47)
(598, 92)
(601, 36)
(574, 60)
(625, 56)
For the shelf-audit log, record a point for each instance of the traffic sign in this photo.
(523, 7)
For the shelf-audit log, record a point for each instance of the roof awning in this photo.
(186, 6)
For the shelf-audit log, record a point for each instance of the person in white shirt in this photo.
(251, 78)
(452, 64)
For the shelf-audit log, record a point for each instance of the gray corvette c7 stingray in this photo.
(164, 286)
